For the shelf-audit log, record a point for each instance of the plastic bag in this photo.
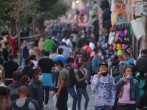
(54, 102)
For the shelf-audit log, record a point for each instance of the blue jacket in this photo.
(134, 89)
(95, 63)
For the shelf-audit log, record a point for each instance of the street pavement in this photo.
(91, 104)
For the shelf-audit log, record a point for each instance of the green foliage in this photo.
(59, 9)
(25, 11)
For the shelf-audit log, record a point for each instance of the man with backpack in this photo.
(24, 102)
(72, 81)
(14, 87)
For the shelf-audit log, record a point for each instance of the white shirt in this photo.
(91, 45)
(69, 44)
(104, 88)
(35, 64)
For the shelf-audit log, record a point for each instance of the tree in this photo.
(26, 11)
(48, 9)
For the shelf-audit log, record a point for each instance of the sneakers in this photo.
(45, 106)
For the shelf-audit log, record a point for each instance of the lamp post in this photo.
(77, 1)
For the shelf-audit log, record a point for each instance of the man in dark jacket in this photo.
(36, 88)
(14, 87)
(116, 69)
(142, 63)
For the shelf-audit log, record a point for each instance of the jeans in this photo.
(105, 107)
(73, 93)
(62, 99)
(80, 92)
(46, 90)
(23, 63)
(88, 71)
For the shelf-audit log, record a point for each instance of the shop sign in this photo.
(141, 9)
(120, 7)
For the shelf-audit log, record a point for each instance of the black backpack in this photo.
(13, 93)
(24, 107)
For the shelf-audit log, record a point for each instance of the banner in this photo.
(119, 7)
(138, 27)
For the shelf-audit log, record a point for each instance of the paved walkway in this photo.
(91, 104)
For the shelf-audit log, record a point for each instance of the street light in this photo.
(77, 1)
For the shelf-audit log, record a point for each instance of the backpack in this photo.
(14, 94)
(26, 104)
(84, 55)
(72, 79)
(24, 107)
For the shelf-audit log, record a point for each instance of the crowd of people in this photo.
(65, 62)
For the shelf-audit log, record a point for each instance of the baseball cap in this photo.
(103, 63)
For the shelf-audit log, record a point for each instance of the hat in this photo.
(10, 56)
(103, 63)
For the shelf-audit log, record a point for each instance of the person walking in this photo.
(60, 56)
(14, 87)
(96, 60)
(49, 44)
(129, 91)
(103, 85)
(142, 70)
(72, 81)
(63, 82)
(46, 64)
(36, 88)
(8, 70)
(115, 69)
(81, 77)
(24, 102)
(5, 102)
(25, 53)
(6, 51)
(28, 70)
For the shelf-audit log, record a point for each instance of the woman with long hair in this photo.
(81, 77)
(4, 98)
(128, 91)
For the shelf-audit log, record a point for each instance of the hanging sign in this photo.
(141, 9)
(119, 8)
